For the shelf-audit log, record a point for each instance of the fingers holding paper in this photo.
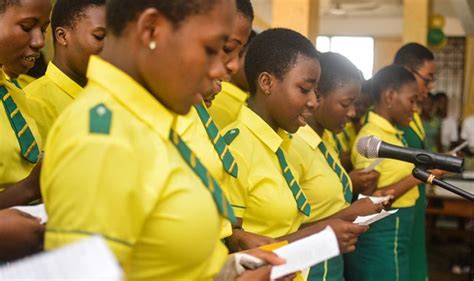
(347, 233)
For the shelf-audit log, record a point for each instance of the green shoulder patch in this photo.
(231, 135)
(100, 119)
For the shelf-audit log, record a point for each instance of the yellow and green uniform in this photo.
(21, 81)
(415, 137)
(20, 139)
(326, 184)
(49, 96)
(226, 106)
(347, 137)
(116, 167)
(333, 141)
(25, 80)
(382, 252)
(202, 136)
(261, 195)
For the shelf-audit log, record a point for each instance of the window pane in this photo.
(359, 50)
(323, 44)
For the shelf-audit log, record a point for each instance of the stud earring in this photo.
(152, 45)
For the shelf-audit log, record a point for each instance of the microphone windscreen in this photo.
(368, 146)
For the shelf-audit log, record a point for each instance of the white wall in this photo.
(377, 27)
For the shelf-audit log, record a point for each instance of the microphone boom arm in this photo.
(426, 177)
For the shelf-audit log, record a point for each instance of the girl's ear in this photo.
(265, 82)
(151, 27)
(389, 97)
(61, 36)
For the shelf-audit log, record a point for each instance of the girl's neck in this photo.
(257, 105)
(316, 126)
(66, 69)
(382, 111)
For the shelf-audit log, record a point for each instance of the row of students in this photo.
(166, 22)
(267, 199)
(399, 239)
(169, 197)
(271, 100)
(100, 111)
(324, 180)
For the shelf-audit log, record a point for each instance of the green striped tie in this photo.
(402, 139)
(295, 188)
(341, 174)
(338, 144)
(14, 81)
(219, 197)
(28, 145)
(221, 147)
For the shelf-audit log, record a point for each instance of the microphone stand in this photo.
(426, 177)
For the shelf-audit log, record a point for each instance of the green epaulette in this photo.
(100, 119)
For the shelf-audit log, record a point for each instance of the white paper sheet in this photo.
(306, 252)
(88, 259)
(376, 199)
(366, 220)
(36, 211)
(372, 165)
(458, 148)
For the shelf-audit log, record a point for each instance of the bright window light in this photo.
(359, 50)
(323, 44)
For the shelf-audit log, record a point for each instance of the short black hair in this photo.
(336, 71)
(4, 4)
(245, 8)
(121, 12)
(413, 56)
(66, 13)
(275, 51)
(390, 77)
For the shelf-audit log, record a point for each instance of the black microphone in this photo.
(372, 147)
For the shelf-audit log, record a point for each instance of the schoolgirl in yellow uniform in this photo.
(21, 38)
(226, 106)
(282, 69)
(383, 252)
(198, 129)
(78, 32)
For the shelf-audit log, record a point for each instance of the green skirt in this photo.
(382, 253)
(418, 259)
(330, 270)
